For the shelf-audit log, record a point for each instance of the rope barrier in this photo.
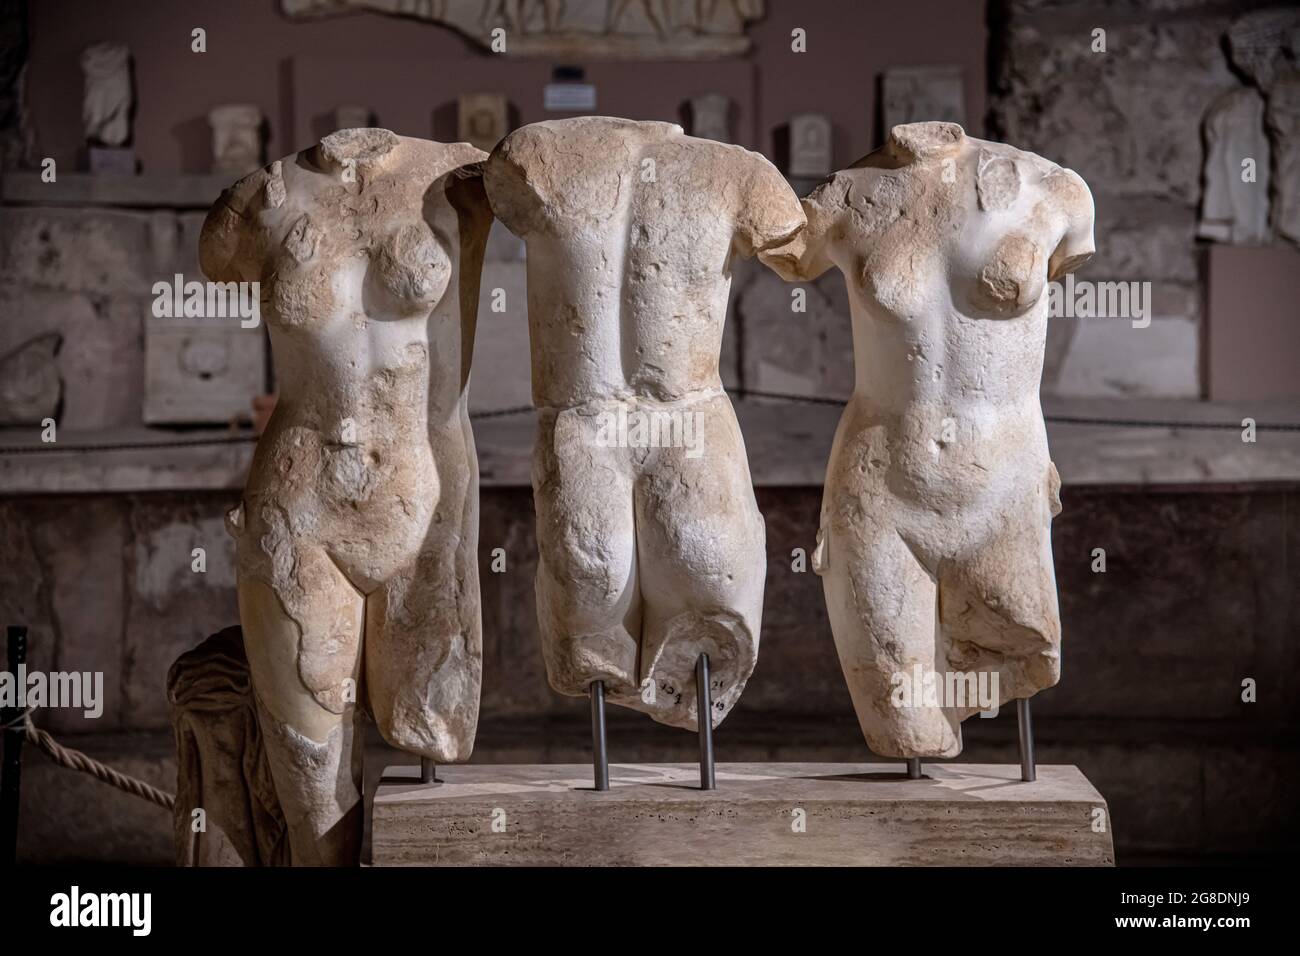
(76, 760)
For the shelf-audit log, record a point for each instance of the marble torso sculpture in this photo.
(649, 556)
(935, 532)
(356, 537)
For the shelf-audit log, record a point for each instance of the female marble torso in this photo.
(934, 545)
(357, 532)
(649, 556)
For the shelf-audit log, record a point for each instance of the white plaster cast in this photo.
(810, 145)
(649, 556)
(934, 545)
(1234, 205)
(236, 138)
(356, 537)
(106, 105)
(711, 117)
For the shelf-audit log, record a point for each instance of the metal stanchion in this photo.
(704, 720)
(913, 768)
(599, 755)
(1028, 772)
(428, 771)
(11, 769)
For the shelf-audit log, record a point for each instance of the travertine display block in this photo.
(761, 814)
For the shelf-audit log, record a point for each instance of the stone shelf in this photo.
(788, 444)
(150, 190)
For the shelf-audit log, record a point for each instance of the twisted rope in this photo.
(76, 760)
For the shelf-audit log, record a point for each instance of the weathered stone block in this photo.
(81, 554)
(761, 814)
(1109, 357)
(170, 606)
(96, 251)
(792, 352)
(100, 360)
(1056, 96)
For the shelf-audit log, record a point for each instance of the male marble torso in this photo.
(649, 556)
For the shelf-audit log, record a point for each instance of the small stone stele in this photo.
(30, 384)
(711, 117)
(482, 119)
(236, 138)
(810, 145)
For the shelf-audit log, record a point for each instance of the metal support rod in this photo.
(1028, 772)
(428, 770)
(913, 768)
(599, 755)
(11, 768)
(704, 720)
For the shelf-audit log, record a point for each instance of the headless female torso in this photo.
(649, 556)
(934, 545)
(356, 537)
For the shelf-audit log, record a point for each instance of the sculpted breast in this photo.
(1012, 279)
(409, 272)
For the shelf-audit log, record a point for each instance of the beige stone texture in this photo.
(357, 532)
(934, 545)
(651, 544)
(762, 814)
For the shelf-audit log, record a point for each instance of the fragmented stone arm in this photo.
(1076, 245)
(230, 245)
(806, 254)
(771, 216)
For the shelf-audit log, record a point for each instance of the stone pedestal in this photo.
(761, 814)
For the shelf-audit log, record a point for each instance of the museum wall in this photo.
(252, 50)
(1143, 707)
(103, 576)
